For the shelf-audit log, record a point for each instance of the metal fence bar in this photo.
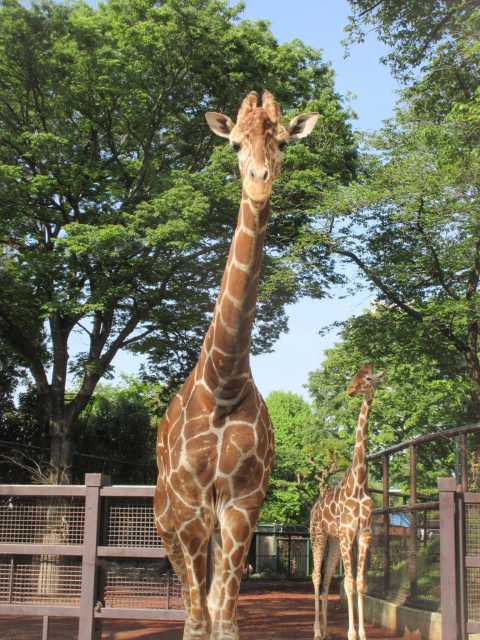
(462, 578)
(448, 579)
(87, 547)
(86, 627)
(45, 628)
(441, 434)
(41, 549)
(412, 556)
(386, 524)
(462, 454)
(47, 490)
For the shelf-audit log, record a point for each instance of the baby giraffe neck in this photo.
(359, 463)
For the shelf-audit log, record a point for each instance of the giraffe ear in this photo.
(301, 126)
(219, 123)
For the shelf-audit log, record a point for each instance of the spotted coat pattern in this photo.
(342, 515)
(215, 442)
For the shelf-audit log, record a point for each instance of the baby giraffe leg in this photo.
(319, 542)
(346, 542)
(364, 539)
(332, 561)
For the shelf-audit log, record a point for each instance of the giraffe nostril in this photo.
(265, 175)
(252, 174)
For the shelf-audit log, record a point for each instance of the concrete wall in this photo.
(400, 618)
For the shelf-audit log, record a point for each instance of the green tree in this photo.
(426, 388)
(119, 427)
(434, 50)
(415, 31)
(116, 209)
(411, 225)
(302, 452)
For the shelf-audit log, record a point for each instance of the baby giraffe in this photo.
(342, 514)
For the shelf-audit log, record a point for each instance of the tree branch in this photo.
(397, 300)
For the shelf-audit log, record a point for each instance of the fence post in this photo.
(86, 624)
(45, 628)
(462, 454)
(386, 524)
(448, 565)
(412, 563)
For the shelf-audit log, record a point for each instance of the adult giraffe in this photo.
(343, 514)
(215, 442)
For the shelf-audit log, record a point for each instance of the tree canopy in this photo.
(410, 224)
(305, 458)
(116, 208)
(416, 32)
(425, 389)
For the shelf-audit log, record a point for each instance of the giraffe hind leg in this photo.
(216, 566)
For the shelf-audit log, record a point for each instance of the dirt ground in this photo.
(266, 612)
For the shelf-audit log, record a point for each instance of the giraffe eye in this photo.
(236, 146)
(282, 145)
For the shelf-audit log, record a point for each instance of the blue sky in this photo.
(319, 23)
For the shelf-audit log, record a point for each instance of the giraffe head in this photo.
(364, 382)
(258, 137)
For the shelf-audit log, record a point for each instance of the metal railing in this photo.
(89, 552)
(460, 560)
(404, 564)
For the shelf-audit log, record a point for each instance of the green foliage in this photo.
(426, 389)
(411, 224)
(116, 205)
(117, 425)
(415, 31)
(301, 452)
(290, 488)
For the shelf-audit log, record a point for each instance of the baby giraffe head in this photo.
(364, 382)
(258, 137)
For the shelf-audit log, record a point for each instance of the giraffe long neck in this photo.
(359, 463)
(226, 348)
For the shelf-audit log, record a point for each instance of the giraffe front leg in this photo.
(171, 542)
(319, 542)
(194, 540)
(174, 552)
(332, 561)
(213, 599)
(236, 526)
(364, 539)
(346, 543)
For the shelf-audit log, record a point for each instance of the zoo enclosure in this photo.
(280, 550)
(89, 552)
(409, 557)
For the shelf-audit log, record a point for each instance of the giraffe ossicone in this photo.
(215, 442)
(342, 515)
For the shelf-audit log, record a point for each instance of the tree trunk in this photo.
(61, 450)
(59, 472)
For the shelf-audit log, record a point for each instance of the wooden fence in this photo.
(89, 552)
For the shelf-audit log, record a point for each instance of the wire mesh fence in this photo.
(84, 551)
(40, 520)
(49, 580)
(129, 523)
(472, 549)
(404, 560)
(145, 584)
